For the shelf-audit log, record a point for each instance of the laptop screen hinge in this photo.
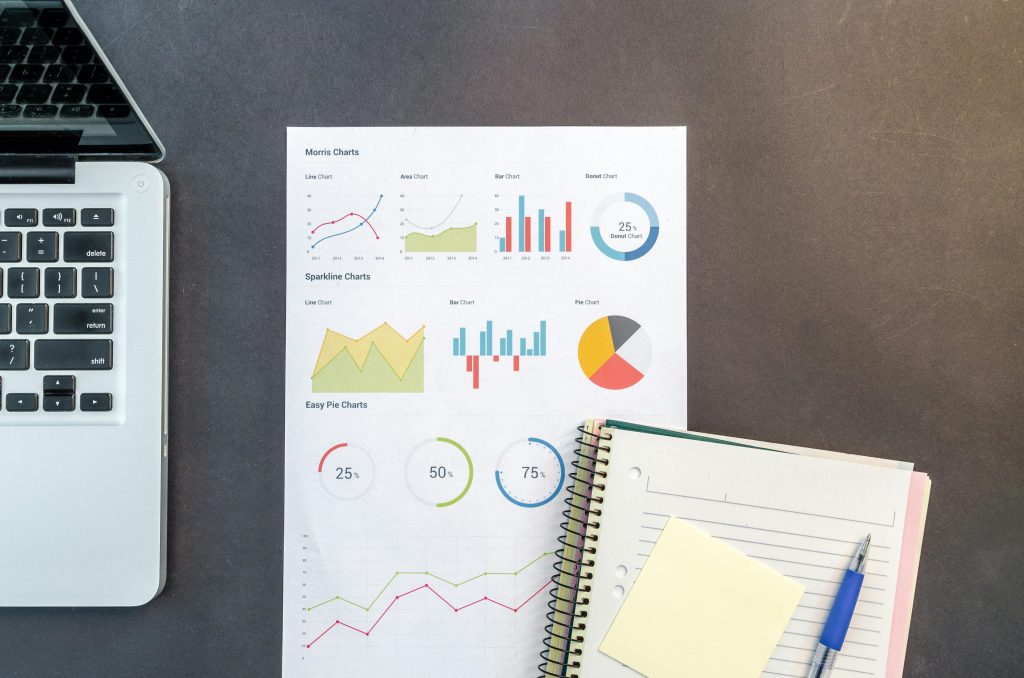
(17, 168)
(38, 156)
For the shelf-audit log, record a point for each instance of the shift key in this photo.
(94, 246)
(74, 354)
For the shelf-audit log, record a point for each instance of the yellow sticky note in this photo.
(701, 608)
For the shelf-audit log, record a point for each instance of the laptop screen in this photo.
(55, 85)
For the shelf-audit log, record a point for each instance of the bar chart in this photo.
(511, 348)
(533, 232)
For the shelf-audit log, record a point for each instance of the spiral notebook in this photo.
(797, 510)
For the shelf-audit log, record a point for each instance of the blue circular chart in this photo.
(618, 232)
(530, 473)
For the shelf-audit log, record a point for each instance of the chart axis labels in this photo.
(614, 352)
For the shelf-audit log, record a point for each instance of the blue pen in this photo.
(838, 622)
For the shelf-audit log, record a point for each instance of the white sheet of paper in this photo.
(422, 488)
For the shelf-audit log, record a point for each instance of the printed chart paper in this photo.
(459, 300)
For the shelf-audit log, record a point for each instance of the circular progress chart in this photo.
(625, 226)
(530, 473)
(614, 352)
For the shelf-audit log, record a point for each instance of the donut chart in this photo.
(346, 471)
(625, 226)
(614, 352)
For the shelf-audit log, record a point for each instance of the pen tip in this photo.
(867, 539)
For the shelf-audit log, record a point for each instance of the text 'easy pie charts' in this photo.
(615, 352)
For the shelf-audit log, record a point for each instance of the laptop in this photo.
(83, 322)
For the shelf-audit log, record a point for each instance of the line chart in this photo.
(455, 584)
(364, 221)
(428, 587)
(440, 223)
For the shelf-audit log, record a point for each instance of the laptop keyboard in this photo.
(48, 70)
(57, 294)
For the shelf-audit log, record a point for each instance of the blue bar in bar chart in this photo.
(522, 223)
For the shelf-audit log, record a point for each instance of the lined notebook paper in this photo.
(800, 515)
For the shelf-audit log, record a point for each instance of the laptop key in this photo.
(26, 73)
(18, 16)
(12, 54)
(44, 54)
(7, 93)
(96, 402)
(113, 111)
(77, 110)
(87, 247)
(56, 384)
(67, 94)
(41, 246)
(9, 35)
(60, 73)
(105, 94)
(23, 283)
(17, 216)
(10, 247)
(59, 283)
(10, 110)
(68, 36)
(97, 283)
(35, 36)
(97, 217)
(90, 73)
(32, 319)
(73, 354)
(64, 402)
(59, 217)
(22, 402)
(54, 17)
(78, 54)
(5, 318)
(83, 319)
(14, 354)
(40, 111)
(34, 94)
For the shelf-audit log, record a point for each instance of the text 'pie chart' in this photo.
(615, 352)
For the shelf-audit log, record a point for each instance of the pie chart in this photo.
(615, 352)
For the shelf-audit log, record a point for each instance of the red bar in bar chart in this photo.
(547, 234)
(508, 234)
(568, 227)
(526, 239)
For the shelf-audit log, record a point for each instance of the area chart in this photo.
(382, 361)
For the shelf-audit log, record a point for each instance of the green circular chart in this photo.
(614, 352)
(439, 472)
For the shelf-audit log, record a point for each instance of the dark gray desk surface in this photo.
(856, 262)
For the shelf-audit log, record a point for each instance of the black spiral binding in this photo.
(566, 626)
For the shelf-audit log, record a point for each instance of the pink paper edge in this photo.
(906, 579)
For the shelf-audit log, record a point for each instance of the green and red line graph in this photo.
(455, 584)
(428, 587)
